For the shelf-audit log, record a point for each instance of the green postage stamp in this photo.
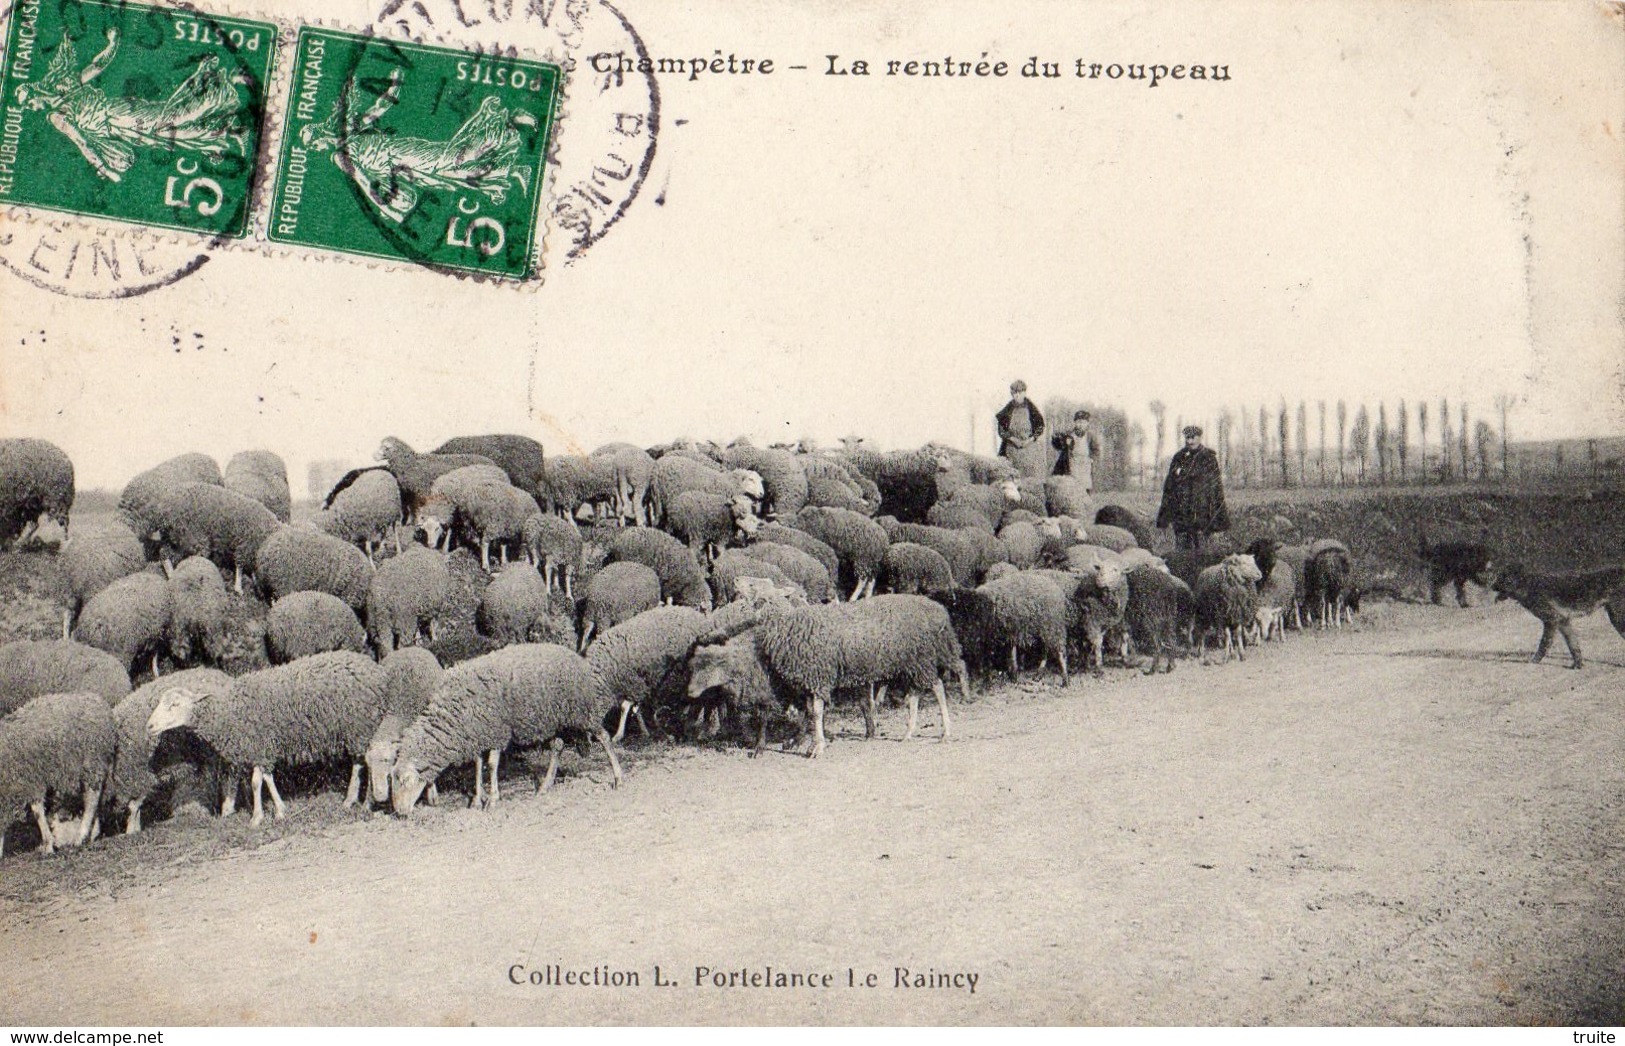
(141, 114)
(413, 153)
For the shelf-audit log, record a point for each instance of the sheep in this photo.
(1159, 612)
(1128, 519)
(1066, 496)
(306, 711)
(907, 481)
(519, 457)
(826, 492)
(261, 475)
(999, 570)
(1081, 559)
(913, 569)
(93, 560)
(987, 549)
(736, 564)
(302, 558)
(574, 480)
(1327, 581)
(365, 511)
(36, 479)
(808, 653)
(128, 619)
(553, 545)
(138, 501)
(514, 604)
(960, 468)
(488, 510)
(681, 580)
(304, 623)
(633, 469)
(411, 676)
(31, 667)
(1115, 538)
(705, 520)
(134, 779)
(199, 519)
(1102, 599)
(957, 547)
(674, 473)
(1023, 542)
(1139, 557)
(199, 606)
(1277, 591)
(802, 568)
(57, 743)
(405, 596)
(951, 515)
(1007, 614)
(520, 695)
(1227, 599)
(617, 593)
(858, 541)
(1030, 497)
(784, 483)
(778, 534)
(415, 473)
(645, 658)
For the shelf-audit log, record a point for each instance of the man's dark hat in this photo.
(1192, 430)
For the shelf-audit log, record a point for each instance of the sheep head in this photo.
(381, 753)
(1011, 492)
(176, 708)
(406, 784)
(393, 451)
(1242, 567)
(750, 484)
(724, 667)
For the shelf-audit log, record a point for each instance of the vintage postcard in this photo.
(604, 512)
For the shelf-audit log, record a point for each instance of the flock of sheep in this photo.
(445, 607)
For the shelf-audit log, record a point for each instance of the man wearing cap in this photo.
(1020, 426)
(1193, 495)
(1079, 448)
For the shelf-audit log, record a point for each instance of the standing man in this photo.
(1079, 448)
(1193, 495)
(1020, 426)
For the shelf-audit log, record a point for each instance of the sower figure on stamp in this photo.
(1193, 494)
(1079, 447)
(1021, 425)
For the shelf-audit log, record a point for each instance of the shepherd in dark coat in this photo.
(1193, 495)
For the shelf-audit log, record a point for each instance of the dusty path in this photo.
(1402, 824)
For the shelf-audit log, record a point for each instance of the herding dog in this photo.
(1454, 562)
(1557, 599)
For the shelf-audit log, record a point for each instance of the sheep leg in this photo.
(1015, 668)
(1097, 653)
(1573, 641)
(46, 842)
(169, 567)
(1066, 677)
(254, 781)
(856, 591)
(1548, 632)
(568, 572)
(609, 750)
(761, 735)
(479, 784)
(620, 729)
(964, 681)
(132, 824)
(637, 716)
(67, 623)
(586, 637)
(869, 703)
(155, 664)
(554, 749)
(353, 793)
(93, 797)
(492, 758)
(502, 552)
(228, 796)
(942, 705)
(432, 796)
(818, 727)
(281, 811)
(1241, 645)
(485, 553)
(28, 532)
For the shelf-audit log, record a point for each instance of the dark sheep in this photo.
(907, 481)
(521, 457)
(1328, 582)
(1159, 614)
(1127, 519)
(36, 479)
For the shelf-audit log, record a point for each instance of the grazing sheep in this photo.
(1227, 600)
(808, 653)
(411, 676)
(779, 534)
(574, 480)
(94, 559)
(36, 479)
(832, 491)
(859, 542)
(135, 777)
(644, 659)
(957, 547)
(415, 473)
(519, 457)
(31, 667)
(951, 515)
(128, 619)
(200, 519)
(681, 580)
(261, 475)
(520, 695)
(1158, 615)
(198, 608)
(365, 511)
(307, 711)
(302, 558)
(913, 569)
(1102, 599)
(1024, 544)
(784, 482)
(457, 496)
(633, 470)
(305, 623)
(56, 744)
(406, 594)
(675, 473)
(804, 570)
(1328, 581)
(705, 520)
(617, 593)
(138, 502)
(1021, 610)
(514, 604)
(999, 570)
(736, 564)
(1115, 538)
(1127, 519)
(553, 545)
(1066, 496)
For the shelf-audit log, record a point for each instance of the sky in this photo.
(1385, 201)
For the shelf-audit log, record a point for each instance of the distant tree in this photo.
(1226, 423)
(1361, 437)
(1484, 437)
(1136, 442)
(1342, 443)
(1559, 458)
(1462, 433)
(1322, 407)
(1263, 445)
(1422, 428)
(1244, 452)
(1402, 442)
(1503, 404)
(1303, 443)
(1382, 438)
(1445, 439)
(1281, 433)
(1159, 414)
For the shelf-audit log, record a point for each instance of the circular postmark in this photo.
(67, 256)
(609, 122)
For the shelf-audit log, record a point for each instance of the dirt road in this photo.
(1406, 823)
